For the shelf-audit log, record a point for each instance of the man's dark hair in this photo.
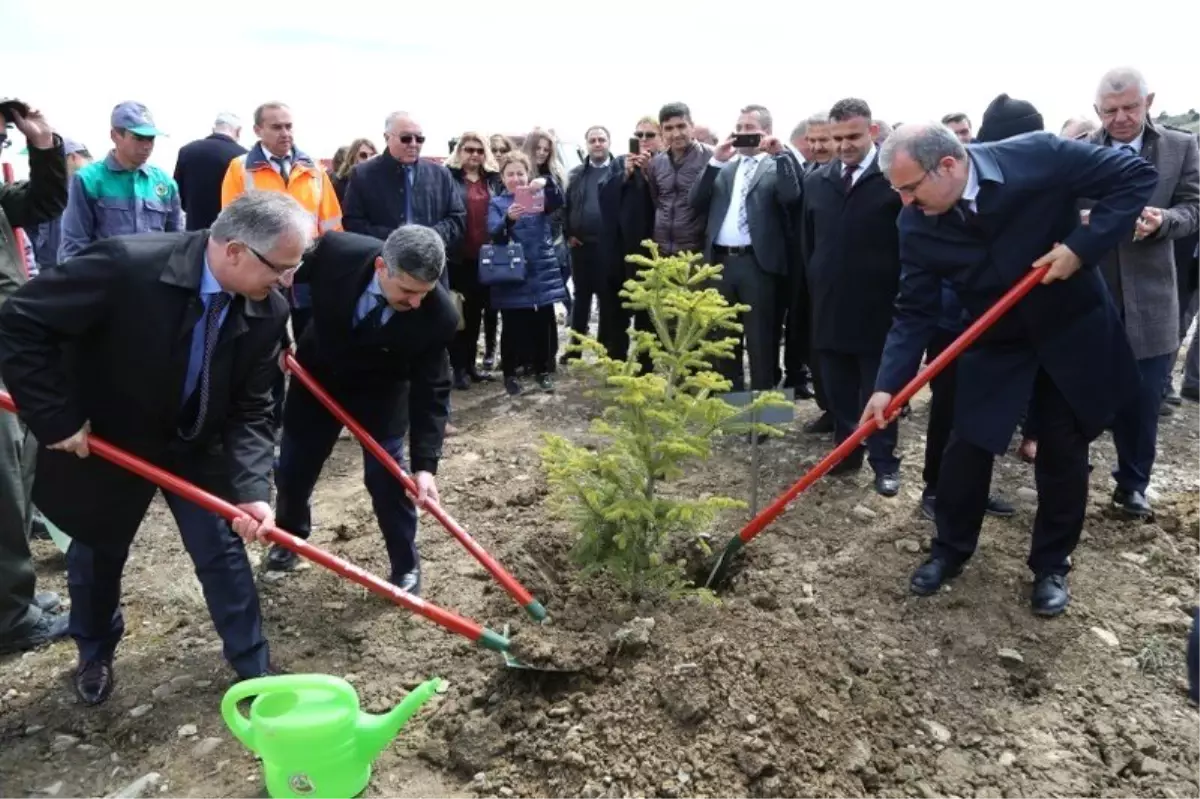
(416, 250)
(955, 118)
(850, 108)
(588, 132)
(672, 110)
(764, 116)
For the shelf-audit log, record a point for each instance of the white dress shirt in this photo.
(729, 235)
(971, 190)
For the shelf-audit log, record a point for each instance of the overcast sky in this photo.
(508, 66)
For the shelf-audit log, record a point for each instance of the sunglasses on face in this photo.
(473, 150)
(363, 155)
(407, 138)
(646, 134)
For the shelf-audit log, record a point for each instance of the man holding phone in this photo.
(27, 620)
(748, 200)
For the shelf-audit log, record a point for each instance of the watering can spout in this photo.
(376, 732)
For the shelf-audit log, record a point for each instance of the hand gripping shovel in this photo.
(967, 338)
(510, 584)
(482, 636)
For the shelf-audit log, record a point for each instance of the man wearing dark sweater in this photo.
(200, 168)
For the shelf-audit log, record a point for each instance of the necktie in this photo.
(848, 177)
(407, 172)
(212, 331)
(374, 318)
(282, 163)
(748, 165)
(1128, 148)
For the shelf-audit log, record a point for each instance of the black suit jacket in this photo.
(851, 252)
(1029, 187)
(774, 192)
(200, 168)
(392, 381)
(375, 200)
(105, 338)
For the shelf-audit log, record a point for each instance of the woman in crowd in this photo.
(528, 306)
(542, 149)
(478, 177)
(358, 151)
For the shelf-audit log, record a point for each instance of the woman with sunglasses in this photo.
(478, 179)
(358, 151)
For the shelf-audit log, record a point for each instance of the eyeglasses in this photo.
(501, 151)
(407, 138)
(912, 187)
(363, 155)
(282, 271)
(646, 134)
(473, 150)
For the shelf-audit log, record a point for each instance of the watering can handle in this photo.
(238, 724)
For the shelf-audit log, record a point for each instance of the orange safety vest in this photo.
(307, 183)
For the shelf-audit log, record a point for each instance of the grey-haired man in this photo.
(377, 343)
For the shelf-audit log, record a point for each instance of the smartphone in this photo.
(534, 202)
(747, 139)
(7, 103)
(635, 145)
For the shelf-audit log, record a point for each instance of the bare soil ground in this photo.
(816, 673)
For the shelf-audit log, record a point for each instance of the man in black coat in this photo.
(852, 268)
(980, 218)
(398, 188)
(200, 168)
(165, 345)
(377, 343)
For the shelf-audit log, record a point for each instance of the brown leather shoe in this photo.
(94, 681)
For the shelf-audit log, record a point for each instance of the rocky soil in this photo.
(815, 674)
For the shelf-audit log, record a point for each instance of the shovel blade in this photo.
(720, 569)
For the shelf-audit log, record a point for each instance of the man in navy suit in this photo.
(979, 217)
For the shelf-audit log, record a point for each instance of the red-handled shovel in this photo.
(956, 348)
(482, 636)
(510, 584)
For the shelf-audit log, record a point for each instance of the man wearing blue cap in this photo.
(122, 194)
(46, 237)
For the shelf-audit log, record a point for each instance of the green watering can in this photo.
(313, 739)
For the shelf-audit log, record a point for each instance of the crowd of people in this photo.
(155, 307)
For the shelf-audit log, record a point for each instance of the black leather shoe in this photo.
(512, 387)
(280, 559)
(887, 483)
(479, 377)
(999, 507)
(1171, 398)
(409, 582)
(1190, 392)
(1131, 503)
(822, 424)
(930, 575)
(46, 630)
(94, 681)
(1050, 594)
(462, 380)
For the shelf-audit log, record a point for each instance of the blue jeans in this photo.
(1135, 427)
(94, 579)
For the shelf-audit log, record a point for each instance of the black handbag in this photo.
(501, 263)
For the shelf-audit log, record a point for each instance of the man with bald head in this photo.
(400, 188)
(980, 217)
